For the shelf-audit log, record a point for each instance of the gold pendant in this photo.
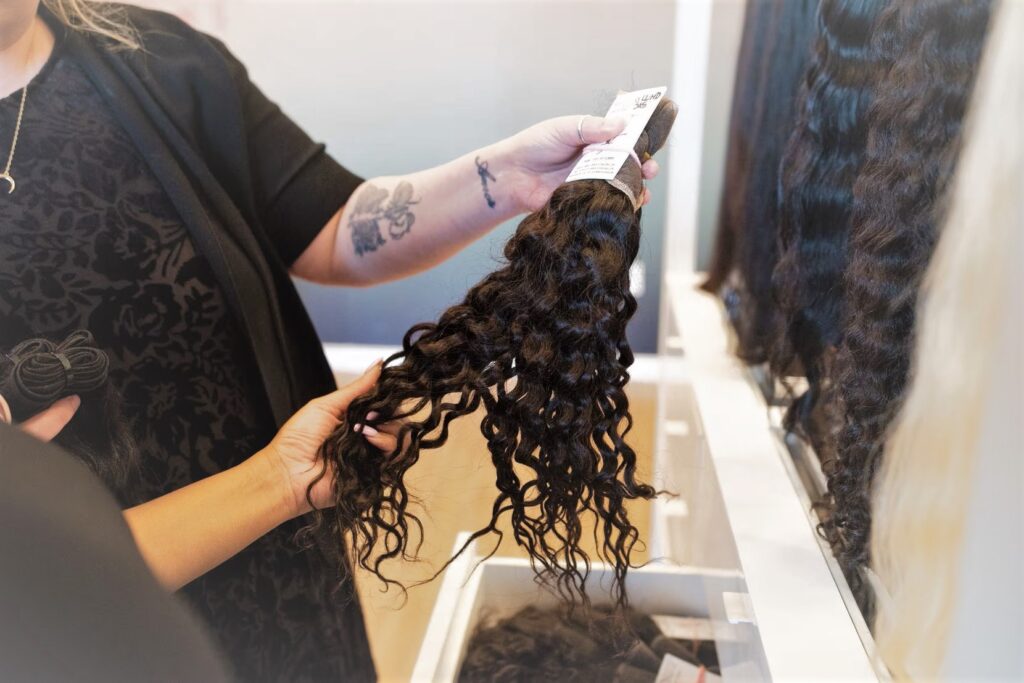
(10, 182)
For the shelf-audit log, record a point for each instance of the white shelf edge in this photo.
(805, 626)
(352, 359)
(436, 636)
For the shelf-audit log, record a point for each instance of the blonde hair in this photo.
(101, 19)
(924, 485)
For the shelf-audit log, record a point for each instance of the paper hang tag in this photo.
(675, 670)
(602, 161)
(684, 628)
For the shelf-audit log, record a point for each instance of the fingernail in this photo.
(375, 364)
(372, 415)
(368, 431)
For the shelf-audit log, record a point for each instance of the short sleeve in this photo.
(297, 186)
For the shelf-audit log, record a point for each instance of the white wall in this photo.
(398, 86)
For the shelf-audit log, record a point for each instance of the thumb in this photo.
(46, 425)
(600, 129)
(605, 130)
(591, 129)
(338, 401)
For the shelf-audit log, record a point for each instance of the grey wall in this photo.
(726, 32)
(394, 87)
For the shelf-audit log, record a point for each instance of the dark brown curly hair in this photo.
(541, 346)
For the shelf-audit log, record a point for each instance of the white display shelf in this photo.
(809, 625)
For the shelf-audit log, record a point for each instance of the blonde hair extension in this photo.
(101, 19)
(924, 486)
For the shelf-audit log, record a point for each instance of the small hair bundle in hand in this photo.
(38, 372)
(541, 346)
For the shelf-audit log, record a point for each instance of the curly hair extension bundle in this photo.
(915, 123)
(818, 169)
(37, 372)
(541, 345)
(764, 105)
(602, 646)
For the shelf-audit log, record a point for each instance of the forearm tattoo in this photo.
(370, 212)
(485, 175)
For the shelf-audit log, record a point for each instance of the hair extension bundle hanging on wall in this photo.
(37, 372)
(746, 90)
(776, 44)
(915, 122)
(819, 166)
(541, 345)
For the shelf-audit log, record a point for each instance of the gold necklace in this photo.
(6, 174)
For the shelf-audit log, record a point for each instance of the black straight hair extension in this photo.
(915, 120)
(819, 166)
(541, 345)
(746, 90)
(37, 372)
(792, 26)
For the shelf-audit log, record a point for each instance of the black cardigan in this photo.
(251, 187)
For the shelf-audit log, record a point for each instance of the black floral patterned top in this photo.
(89, 240)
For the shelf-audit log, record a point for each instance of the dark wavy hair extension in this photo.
(818, 169)
(915, 125)
(750, 196)
(541, 345)
(746, 89)
(556, 644)
(37, 372)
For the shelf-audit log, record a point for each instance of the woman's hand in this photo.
(294, 452)
(45, 425)
(186, 533)
(543, 155)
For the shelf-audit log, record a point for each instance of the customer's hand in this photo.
(294, 452)
(47, 424)
(543, 154)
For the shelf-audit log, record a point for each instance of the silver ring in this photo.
(579, 129)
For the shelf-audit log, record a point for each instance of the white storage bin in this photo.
(499, 587)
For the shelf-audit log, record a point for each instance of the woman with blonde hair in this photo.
(151, 195)
(959, 431)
